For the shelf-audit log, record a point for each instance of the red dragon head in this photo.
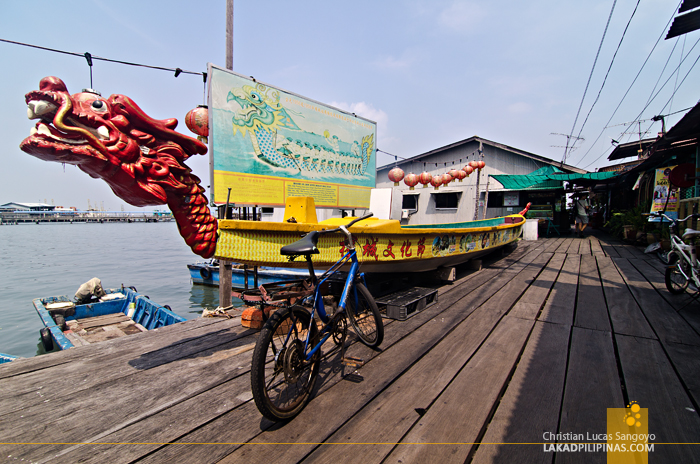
(141, 158)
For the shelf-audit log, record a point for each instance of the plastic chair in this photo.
(552, 226)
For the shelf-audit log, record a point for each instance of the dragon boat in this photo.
(142, 159)
(383, 245)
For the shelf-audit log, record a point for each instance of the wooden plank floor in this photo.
(541, 340)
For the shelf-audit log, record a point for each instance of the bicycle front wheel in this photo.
(364, 316)
(676, 282)
(281, 379)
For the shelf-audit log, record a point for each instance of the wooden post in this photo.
(225, 273)
(486, 197)
(478, 176)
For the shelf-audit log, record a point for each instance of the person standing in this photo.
(582, 206)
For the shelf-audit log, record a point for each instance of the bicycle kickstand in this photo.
(352, 362)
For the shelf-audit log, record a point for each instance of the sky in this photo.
(429, 72)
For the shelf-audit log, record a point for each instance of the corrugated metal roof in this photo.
(684, 23)
(476, 138)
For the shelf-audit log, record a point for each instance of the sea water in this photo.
(40, 260)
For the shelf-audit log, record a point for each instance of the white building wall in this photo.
(498, 161)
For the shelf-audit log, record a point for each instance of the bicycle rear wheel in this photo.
(676, 282)
(364, 316)
(281, 379)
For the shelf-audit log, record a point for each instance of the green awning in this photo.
(548, 177)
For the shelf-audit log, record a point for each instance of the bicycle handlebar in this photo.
(660, 214)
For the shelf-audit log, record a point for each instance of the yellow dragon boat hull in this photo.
(382, 245)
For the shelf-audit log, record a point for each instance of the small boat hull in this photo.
(137, 307)
(6, 358)
(206, 273)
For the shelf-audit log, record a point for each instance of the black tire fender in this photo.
(60, 321)
(205, 273)
(46, 339)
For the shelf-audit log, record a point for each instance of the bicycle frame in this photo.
(682, 250)
(317, 304)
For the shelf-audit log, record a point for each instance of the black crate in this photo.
(406, 303)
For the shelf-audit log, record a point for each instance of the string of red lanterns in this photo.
(395, 175)
(411, 180)
(425, 178)
(197, 120)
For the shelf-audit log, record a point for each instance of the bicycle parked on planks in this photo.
(683, 269)
(287, 355)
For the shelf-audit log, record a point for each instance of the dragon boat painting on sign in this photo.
(268, 144)
(383, 245)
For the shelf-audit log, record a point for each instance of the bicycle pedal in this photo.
(352, 362)
(354, 378)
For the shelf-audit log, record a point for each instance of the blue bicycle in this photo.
(287, 354)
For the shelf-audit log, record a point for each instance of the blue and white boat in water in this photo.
(121, 311)
(6, 358)
(207, 273)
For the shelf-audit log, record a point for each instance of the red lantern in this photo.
(446, 179)
(197, 120)
(425, 178)
(395, 175)
(411, 180)
(468, 169)
(474, 164)
(453, 173)
(436, 181)
(481, 165)
(461, 174)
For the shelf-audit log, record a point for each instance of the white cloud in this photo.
(368, 111)
(462, 16)
(365, 110)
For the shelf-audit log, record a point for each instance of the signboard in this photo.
(267, 144)
(665, 198)
(511, 198)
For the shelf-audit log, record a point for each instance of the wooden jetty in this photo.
(38, 217)
(544, 339)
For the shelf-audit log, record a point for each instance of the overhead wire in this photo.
(663, 31)
(177, 71)
(609, 68)
(589, 81)
(664, 85)
(661, 74)
(676, 84)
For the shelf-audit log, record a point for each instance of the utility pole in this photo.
(229, 35)
(225, 272)
(486, 198)
(478, 176)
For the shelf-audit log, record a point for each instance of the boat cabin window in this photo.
(446, 200)
(410, 202)
(267, 210)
